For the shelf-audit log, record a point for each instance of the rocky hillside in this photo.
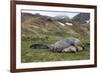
(82, 17)
(36, 25)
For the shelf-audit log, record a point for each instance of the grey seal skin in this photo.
(59, 46)
(65, 44)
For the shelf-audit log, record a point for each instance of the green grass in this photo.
(44, 55)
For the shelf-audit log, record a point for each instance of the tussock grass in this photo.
(44, 55)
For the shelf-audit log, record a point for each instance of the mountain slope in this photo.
(37, 26)
(82, 17)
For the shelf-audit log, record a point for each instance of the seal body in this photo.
(67, 45)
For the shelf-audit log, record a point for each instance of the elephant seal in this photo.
(67, 44)
(70, 49)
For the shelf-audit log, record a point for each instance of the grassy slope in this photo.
(41, 55)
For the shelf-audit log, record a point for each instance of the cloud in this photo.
(52, 13)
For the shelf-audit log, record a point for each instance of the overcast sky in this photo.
(52, 13)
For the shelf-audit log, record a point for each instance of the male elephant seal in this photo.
(67, 45)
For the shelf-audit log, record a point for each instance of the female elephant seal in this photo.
(72, 49)
(69, 49)
(67, 45)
